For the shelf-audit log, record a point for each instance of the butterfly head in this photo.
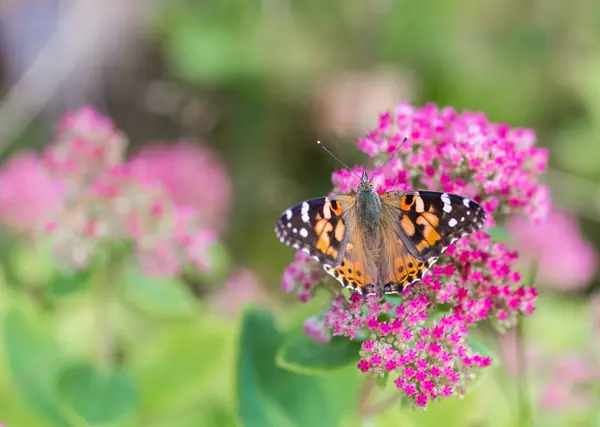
(365, 184)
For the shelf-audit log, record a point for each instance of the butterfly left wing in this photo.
(418, 227)
(316, 227)
(326, 229)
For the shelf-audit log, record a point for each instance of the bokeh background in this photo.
(233, 95)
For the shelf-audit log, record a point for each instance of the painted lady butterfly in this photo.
(372, 243)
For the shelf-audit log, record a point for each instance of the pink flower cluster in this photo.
(565, 260)
(104, 199)
(428, 359)
(476, 279)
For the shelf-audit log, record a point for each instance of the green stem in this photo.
(102, 296)
(522, 383)
(367, 409)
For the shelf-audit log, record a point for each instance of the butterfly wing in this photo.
(325, 229)
(422, 225)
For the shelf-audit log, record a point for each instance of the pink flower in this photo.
(102, 200)
(571, 384)
(566, 261)
(86, 144)
(28, 193)
(509, 352)
(241, 288)
(191, 175)
(423, 337)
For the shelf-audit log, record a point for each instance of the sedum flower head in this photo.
(419, 340)
(105, 199)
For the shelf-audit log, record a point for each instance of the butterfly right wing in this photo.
(325, 229)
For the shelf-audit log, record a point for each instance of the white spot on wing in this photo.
(452, 222)
(294, 230)
(288, 214)
(447, 205)
(304, 212)
(303, 232)
(467, 202)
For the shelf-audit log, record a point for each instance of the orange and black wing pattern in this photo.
(420, 226)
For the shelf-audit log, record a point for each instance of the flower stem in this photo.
(102, 295)
(522, 384)
(367, 409)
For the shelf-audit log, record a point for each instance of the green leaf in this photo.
(500, 234)
(269, 395)
(63, 284)
(383, 380)
(183, 363)
(479, 347)
(166, 297)
(34, 361)
(97, 395)
(304, 355)
(32, 263)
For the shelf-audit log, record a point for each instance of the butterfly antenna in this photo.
(320, 144)
(388, 160)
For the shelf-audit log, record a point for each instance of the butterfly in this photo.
(378, 243)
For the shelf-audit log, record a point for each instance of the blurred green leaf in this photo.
(32, 263)
(65, 283)
(499, 234)
(304, 355)
(157, 296)
(183, 363)
(479, 347)
(268, 395)
(34, 360)
(98, 395)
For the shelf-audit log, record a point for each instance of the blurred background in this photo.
(250, 86)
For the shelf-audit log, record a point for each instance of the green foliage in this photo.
(34, 360)
(500, 234)
(63, 284)
(302, 354)
(166, 297)
(97, 395)
(268, 395)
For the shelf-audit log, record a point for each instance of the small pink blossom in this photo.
(28, 193)
(191, 175)
(566, 261)
(241, 287)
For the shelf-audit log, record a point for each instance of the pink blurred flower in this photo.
(85, 145)
(421, 339)
(509, 352)
(242, 287)
(28, 193)
(105, 200)
(571, 386)
(191, 175)
(348, 102)
(566, 261)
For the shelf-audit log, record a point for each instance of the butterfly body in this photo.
(375, 243)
